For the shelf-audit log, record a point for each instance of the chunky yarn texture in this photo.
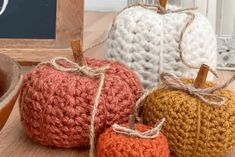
(193, 128)
(55, 106)
(147, 42)
(112, 144)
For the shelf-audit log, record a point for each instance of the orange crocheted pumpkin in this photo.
(112, 144)
(58, 99)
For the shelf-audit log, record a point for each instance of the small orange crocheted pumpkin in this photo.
(112, 143)
(193, 127)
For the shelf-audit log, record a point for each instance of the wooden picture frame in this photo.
(69, 26)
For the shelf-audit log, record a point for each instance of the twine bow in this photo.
(135, 133)
(90, 72)
(173, 82)
(74, 67)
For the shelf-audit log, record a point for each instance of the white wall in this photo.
(228, 17)
(105, 5)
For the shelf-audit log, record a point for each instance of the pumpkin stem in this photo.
(163, 3)
(76, 46)
(201, 76)
(132, 122)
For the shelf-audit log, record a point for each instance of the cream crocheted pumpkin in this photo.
(147, 42)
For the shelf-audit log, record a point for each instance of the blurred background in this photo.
(221, 13)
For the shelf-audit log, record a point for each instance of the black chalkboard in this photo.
(29, 19)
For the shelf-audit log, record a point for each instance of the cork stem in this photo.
(200, 80)
(76, 46)
(163, 3)
(132, 122)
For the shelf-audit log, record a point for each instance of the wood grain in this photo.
(11, 79)
(26, 56)
(27, 43)
(69, 22)
(6, 110)
(163, 3)
(201, 76)
(77, 51)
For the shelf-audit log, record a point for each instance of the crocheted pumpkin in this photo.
(55, 106)
(112, 144)
(148, 42)
(192, 127)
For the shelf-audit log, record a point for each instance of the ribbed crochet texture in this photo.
(193, 128)
(112, 144)
(147, 42)
(55, 106)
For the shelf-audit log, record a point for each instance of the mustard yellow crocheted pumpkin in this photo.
(193, 128)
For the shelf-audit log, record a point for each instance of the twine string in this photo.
(95, 106)
(152, 133)
(161, 56)
(225, 85)
(74, 67)
(90, 72)
(140, 100)
(206, 95)
(180, 49)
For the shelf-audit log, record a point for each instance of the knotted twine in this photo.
(152, 133)
(163, 11)
(90, 72)
(172, 82)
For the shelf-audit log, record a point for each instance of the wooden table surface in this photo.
(13, 140)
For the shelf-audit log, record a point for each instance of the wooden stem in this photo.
(163, 3)
(76, 46)
(201, 76)
(132, 122)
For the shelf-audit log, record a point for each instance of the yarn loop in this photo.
(152, 133)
